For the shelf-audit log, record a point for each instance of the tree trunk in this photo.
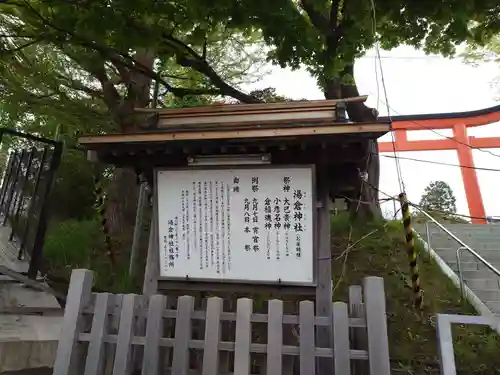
(121, 207)
(123, 190)
(368, 183)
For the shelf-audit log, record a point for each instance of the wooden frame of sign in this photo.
(186, 281)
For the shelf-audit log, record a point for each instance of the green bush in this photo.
(72, 196)
(71, 244)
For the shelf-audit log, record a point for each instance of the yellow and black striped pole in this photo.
(100, 207)
(411, 251)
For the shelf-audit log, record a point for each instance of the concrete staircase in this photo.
(485, 240)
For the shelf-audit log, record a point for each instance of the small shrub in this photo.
(72, 244)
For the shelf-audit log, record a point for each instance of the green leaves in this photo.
(297, 36)
(438, 197)
(90, 63)
(87, 62)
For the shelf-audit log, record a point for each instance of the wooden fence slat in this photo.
(243, 338)
(79, 293)
(113, 325)
(307, 342)
(154, 329)
(274, 337)
(141, 312)
(376, 324)
(180, 364)
(358, 334)
(355, 300)
(341, 345)
(212, 336)
(95, 353)
(125, 332)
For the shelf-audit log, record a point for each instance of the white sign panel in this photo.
(237, 224)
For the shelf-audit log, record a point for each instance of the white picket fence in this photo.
(127, 334)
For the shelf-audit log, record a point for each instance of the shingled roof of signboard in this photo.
(240, 123)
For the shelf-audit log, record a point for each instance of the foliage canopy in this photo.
(438, 197)
(97, 59)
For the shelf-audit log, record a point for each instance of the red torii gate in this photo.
(461, 142)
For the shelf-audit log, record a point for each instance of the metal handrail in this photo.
(463, 246)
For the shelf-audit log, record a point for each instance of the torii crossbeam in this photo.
(461, 142)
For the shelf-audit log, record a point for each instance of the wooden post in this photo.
(79, 294)
(324, 266)
(376, 325)
(141, 204)
(183, 325)
(150, 285)
(341, 344)
(212, 336)
(307, 345)
(357, 310)
(95, 353)
(123, 356)
(274, 337)
(154, 330)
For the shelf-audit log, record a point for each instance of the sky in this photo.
(417, 83)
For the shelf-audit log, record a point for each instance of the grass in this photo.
(412, 334)
(74, 244)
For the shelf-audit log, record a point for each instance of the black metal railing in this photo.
(26, 185)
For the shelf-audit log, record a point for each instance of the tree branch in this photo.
(357, 111)
(334, 13)
(81, 87)
(197, 64)
(318, 20)
(110, 94)
(19, 48)
(336, 25)
(27, 36)
(202, 66)
(123, 72)
(204, 54)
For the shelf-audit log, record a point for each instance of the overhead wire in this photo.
(442, 163)
(384, 88)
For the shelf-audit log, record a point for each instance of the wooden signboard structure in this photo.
(242, 193)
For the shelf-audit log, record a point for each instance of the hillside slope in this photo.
(412, 333)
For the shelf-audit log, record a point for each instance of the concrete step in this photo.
(487, 283)
(485, 240)
(28, 341)
(487, 295)
(471, 266)
(490, 228)
(466, 266)
(450, 255)
(477, 244)
(479, 274)
(466, 233)
(494, 306)
(473, 233)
